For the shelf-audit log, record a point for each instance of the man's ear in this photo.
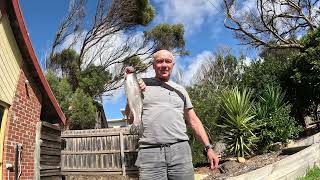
(153, 64)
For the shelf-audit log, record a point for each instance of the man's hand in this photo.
(212, 159)
(128, 70)
(142, 85)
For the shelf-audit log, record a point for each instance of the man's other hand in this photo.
(213, 159)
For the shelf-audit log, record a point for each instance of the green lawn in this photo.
(312, 174)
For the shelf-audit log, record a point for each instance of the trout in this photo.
(134, 100)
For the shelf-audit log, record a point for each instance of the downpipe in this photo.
(17, 163)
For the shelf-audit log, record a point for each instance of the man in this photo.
(164, 152)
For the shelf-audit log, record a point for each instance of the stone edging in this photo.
(308, 141)
(291, 167)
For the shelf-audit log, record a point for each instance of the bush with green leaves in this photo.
(273, 114)
(62, 91)
(83, 111)
(303, 79)
(237, 122)
(77, 106)
(92, 80)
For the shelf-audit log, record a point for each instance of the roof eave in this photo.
(34, 61)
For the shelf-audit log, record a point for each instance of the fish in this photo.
(134, 100)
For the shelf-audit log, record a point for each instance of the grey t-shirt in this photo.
(163, 115)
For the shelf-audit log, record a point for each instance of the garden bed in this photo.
(272, 165)
(233, 168)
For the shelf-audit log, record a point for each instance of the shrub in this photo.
(83, 111)
(273, 114)
(237, 125)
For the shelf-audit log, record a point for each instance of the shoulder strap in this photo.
(153, 82)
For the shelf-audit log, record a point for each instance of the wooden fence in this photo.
(47, 152)
(99, 151)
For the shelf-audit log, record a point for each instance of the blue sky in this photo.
(202, 19)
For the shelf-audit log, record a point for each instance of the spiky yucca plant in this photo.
(271, 100)
(237, 121)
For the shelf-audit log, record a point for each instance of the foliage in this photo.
(62, 91)
(166, 36)
(67, 64)
(93, 79)
(303, 77)
(77, 106)
(273, 113)
(67, 60)
(278, 127)
(291, 63)
(271, 100)
(237, 124)
(312, 174)
(83, 111)
(296, 72)
(145, 12)
(136, 62)
(263, 73)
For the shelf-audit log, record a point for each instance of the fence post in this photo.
(37, 152)
(123, 165)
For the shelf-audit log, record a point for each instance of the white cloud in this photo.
(191, 70)
(243, 8)
(70, 40)
(248, 5)
(191, 13)
(111, 46)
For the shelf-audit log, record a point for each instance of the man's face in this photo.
(163, 64)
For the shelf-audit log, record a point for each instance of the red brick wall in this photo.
(23, 116)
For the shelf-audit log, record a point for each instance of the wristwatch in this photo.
(207, 147)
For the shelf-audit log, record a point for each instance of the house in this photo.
(118, 122)
(25, 97)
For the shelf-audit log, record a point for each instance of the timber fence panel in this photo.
(105, 151)
(47, 151)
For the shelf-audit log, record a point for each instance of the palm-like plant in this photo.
(237, 121)
(271, 100)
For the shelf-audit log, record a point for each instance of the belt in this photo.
(162, 145)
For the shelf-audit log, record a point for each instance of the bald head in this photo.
(163, 54)
(163, 62)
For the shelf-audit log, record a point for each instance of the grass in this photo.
(312, 174)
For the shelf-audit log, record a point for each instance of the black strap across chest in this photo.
(154, 82)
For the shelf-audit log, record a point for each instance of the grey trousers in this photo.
(172, 162)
